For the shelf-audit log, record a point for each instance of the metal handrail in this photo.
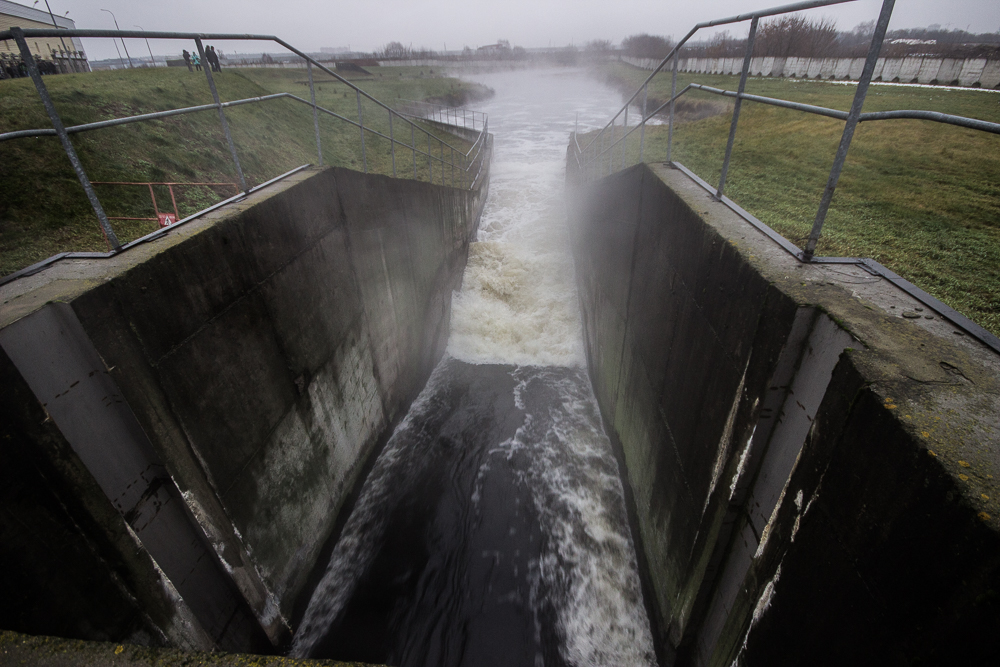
(20, 36)
(591, 159)
(449, 114)
(773, 11)
(934, 116)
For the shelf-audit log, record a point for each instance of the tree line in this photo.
(797, 36)
(502, 50)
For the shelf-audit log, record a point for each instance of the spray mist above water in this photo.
(518, 302)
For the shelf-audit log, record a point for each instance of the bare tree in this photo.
(724, 45)
(598, 46)
(394, 51)
(796, 36)
(647, 46)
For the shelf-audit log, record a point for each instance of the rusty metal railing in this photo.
(161, 218)
(457, 167)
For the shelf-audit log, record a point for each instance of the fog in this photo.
(451, 24)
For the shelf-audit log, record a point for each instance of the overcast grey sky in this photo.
(368, 24)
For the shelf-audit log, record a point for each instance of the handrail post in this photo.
(852, 122)
(625, 138)
(222, 114)
(312, 98)
(736, 107)
(670, 123)
(611, 148)
(74, 159)
(173, 200)
(430, 160)
(642, 131)
(598, 158)
(392, 145)
(361, 123)
(413, 145)
(152, 195)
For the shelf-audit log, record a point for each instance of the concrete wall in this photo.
(814, 478)
(972, 72)
(192, 413)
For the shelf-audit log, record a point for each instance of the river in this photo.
(492, 528)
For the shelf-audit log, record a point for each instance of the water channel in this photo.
(492, 528)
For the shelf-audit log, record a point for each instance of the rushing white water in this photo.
(518, 305)
(519, 550)
(518, 301)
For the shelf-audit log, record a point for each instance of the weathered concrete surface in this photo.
(23, 650)
(972, 72)
(206, 401)
(814, 475)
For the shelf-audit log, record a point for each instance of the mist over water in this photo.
(518, 301)
(492, 528)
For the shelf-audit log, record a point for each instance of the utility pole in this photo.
(53, 17)
(152, 61)
(123, 41)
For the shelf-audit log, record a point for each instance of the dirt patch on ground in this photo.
(685, 108)
(690, 110)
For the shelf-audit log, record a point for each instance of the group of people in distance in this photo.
(193, 60)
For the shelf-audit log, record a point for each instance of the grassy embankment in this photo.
(43, 209)
(922, 198)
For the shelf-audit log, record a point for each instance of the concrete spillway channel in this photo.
(363, 418)
(183, 422)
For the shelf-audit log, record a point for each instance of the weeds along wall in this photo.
(814, 476)
(181, 423)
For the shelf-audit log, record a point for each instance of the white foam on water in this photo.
(364, 530)
(518, 302)
(588, 570)
(518, 305)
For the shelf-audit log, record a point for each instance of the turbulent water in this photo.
(492, 528)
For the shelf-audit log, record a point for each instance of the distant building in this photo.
(47, 48)
(335, 49)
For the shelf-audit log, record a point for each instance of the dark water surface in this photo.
(490, 532)
(450, 580)
(492, 528)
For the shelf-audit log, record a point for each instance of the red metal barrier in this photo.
(163, 219)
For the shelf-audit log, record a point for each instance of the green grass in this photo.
(922, 198)
(43, 209)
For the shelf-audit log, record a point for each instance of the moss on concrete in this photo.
(18, 649)
(904, 442)
(937, 386)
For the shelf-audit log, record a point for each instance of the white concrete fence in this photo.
(970, 72)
